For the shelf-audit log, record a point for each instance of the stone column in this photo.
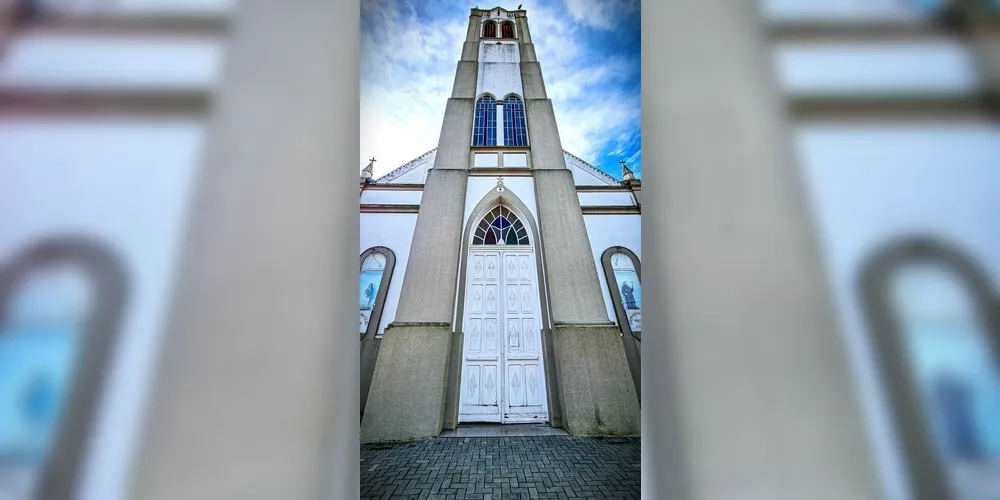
(594, 385)
(244, 404)
(761, 395)
(409, 387)
(980, 21)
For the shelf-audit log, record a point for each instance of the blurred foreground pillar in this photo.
(243, 399)
(762, 394)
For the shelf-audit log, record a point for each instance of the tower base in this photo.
(597, 394)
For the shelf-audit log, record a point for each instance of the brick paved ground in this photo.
(502, 467)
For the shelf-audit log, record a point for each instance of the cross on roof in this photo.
(372, 159)
(622, 162)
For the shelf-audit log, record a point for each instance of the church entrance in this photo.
(503, 376)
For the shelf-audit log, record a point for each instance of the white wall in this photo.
(385, 197)
(90, 61)
(591, 199)
(479, 187)
(126, 183)
(499, 71)
(395, 232)
(871, 183)
(854, 67)
(606, 231)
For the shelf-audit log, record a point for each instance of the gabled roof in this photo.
(404, 169)
(418, 161)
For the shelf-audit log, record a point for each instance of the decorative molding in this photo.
(885, 107)
(610, 209)
(500, 149)
(504, 172)
(118, 23)
(394, 187)
(33, 101)
(604, 189)
(377, 208)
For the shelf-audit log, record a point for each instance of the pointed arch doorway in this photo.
(503, 367)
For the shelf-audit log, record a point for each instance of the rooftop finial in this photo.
(627, 174)
(369, 171)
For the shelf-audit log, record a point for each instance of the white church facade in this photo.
(500, 276)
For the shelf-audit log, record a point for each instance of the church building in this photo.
(500, 275)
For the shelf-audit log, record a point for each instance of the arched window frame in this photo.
(63, 467)
(375, 319)
(926, 472)
(488, 227)
(515, 121)
(484, 122)
(490, 29)
(505, 27)
(612, 283)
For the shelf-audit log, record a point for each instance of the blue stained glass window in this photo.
(371, 279)
(515, 131)
(484, 129)
(629, 288)
(947, 346)
(500, 227)
(39, 342)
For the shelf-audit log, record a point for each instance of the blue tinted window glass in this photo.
(515, 131)
(484, 127)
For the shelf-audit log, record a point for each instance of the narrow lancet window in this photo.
(507, 30)
(484, 131)
(490, 30)
(515, 131)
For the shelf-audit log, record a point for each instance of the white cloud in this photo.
(603, 14)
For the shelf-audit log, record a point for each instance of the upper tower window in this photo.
(507, 30)
(515, 132)
(490, 30)
(484, 131)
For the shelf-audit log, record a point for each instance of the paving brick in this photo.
(533, 467)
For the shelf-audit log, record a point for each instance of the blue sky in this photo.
(588, 49)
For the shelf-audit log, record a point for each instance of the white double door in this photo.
(503, 375)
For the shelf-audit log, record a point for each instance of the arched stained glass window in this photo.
(515, 132)
(490, 30)
(500, 227)
(372, 270)
(627, 280)
(507, 29)
(484, 131)
(40, 339)
(952, 363)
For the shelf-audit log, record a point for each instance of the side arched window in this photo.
(377, 264)
(932, 315)
(60, 306)
(484, 125)
(515, 128)
(490, 30)
(622, 272)
(507, 30)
